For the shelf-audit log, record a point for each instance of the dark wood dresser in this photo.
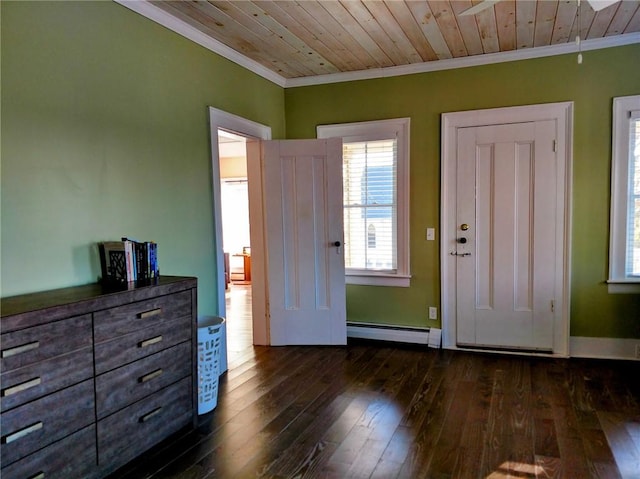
(91, 378)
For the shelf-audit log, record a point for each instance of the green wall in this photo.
(424, 97)
(105, 134)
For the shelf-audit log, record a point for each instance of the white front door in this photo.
(303, 224)
(506, 235)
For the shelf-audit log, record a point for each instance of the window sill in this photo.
(623, 286)
(379, 280)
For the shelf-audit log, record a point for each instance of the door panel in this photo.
(303, 220)
(505, 269)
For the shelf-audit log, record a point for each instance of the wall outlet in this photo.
(433, 312)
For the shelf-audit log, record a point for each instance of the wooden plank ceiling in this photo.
(314, 37)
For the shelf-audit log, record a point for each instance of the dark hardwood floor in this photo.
(386, 411)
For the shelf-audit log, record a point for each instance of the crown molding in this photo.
(180, 27)
(470, 61)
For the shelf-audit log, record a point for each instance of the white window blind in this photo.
(632, 263)
(370, 205)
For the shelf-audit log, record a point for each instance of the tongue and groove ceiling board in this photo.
(308, 38)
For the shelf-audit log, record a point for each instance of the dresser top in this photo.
(83, 299)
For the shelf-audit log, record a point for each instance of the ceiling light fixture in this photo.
(597, 5)
(578, 41)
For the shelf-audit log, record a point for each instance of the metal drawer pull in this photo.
(39, 475)
(149, 415)
(149, 342)
(150, 376)
(148, 314)
(21, 387)
(20, 349)
(22, 432)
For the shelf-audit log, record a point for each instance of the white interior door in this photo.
(303, 224)
(506, 235)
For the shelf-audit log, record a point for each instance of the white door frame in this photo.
(251, 130)
(563, 114)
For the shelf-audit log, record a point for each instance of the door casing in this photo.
(254, 132)
(562, 113)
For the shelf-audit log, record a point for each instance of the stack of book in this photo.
(128, 261)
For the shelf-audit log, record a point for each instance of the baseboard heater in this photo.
(397, 334)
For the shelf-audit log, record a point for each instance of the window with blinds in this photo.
(370, 204)
(632, 263)
(375, 172)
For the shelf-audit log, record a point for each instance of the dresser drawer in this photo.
(72, 457)
(120, 387)
(39, 343)
(133, 430)
(42, 422)
(133, 346)
(114, 322)
(36, 380)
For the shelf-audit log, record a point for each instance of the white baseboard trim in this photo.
(385, 332)
(580, 347)
(603, 348)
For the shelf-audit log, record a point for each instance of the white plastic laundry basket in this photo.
(210, 343)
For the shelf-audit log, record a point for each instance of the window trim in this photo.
(618, 282)
(377, 130)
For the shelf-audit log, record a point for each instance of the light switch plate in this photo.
(431, 234)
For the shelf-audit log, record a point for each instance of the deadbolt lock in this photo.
(464, 226)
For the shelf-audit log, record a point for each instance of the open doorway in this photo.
(250, 132)
(234, 195)
(322, 233)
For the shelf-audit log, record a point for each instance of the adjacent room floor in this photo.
(239, 323)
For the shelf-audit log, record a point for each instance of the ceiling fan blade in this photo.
(480, 7)
(598, 5)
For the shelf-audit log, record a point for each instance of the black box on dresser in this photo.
(90, 377)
